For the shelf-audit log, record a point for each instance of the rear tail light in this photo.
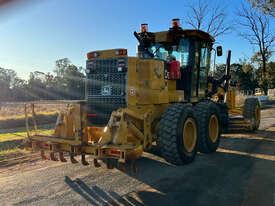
(116, 152)
(121, 64)
(144, 27)
(121, 52)
(92, 55)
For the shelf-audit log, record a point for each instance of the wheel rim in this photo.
(213, 128)
(189, 135)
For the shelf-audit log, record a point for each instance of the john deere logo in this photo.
(132, 91)
(106, 90)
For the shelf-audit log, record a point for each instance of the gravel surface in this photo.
(241, 172)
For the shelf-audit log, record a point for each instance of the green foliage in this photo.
(265, 81)
(270, 76)
(70, 79)
(11, 85)
(67, 82)
(257, 58)
(250, 74)
(242, 73)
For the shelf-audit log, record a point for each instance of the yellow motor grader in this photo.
(164, 98)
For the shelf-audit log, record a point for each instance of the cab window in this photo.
(167, 51)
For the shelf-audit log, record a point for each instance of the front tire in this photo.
(252, 113)
(178, 136)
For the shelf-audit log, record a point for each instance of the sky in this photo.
(34, 36)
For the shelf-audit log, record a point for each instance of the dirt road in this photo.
(241, 172)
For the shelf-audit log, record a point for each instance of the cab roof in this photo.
(171, 34)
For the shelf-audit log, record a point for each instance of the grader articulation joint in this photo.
(164, 97)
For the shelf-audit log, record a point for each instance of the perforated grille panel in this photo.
(106, 89)
(115, 81)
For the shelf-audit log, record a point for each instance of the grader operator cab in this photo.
(163, 97)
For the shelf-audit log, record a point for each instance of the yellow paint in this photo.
(131, 130)
(213, 128)
(189, 134)
(105, 54)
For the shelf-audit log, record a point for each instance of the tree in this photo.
(61, 65)
(257, 58)
(210, 19)
(266, 6)
(256, 29)
(8, 80)
(245, 73)
(270, 77)
(36, 86)
(67, 82)
(70, 79)
(12, 87)
(18, 90)
(242, 72)
(5, 83)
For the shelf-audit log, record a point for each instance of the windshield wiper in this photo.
(157, 51)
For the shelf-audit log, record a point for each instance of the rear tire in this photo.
(178, 136)
(252, 113)
(224, 117)
(210, 127)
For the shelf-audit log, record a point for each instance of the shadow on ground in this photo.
(231, 176)
(260, 142)
(241, 172)
(94, 195)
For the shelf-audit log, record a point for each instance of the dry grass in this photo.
(16, 110)
(12, 115)
(12, 152)
(12, 141)
(12, 126)
(20, 122)
(20, 133)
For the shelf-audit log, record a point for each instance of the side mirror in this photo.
(219, 51)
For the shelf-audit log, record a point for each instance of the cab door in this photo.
(204, 66)
(200, 70)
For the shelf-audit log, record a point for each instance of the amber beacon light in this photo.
(175, 22)
(144, 27)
